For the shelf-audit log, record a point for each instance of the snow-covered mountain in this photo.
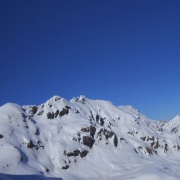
(87, 139)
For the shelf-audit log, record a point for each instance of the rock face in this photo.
(88, 141)
(1, 136)
(61, 136)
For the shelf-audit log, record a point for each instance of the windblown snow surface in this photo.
(86, 139)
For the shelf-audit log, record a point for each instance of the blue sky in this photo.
(127, 52)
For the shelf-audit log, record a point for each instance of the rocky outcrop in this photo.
(88, 141)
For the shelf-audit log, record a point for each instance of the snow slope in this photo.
(86, 139)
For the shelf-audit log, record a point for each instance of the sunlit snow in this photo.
(86, 139)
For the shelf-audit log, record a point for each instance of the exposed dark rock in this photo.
(85, 129)
(38, 142)
(143, 138)
(150, 138)
(152, 144)
(91, 116)
(101, 121)
(63, 112)
(24, 109)
(34, 109)
(56, 113)
(100, 132)
(40, 112)
(151, 151)
(74, 139)
(97, 117)
(50, 115)
(90, 129)
(83, 99)
(50, 105)
(37, 132)
(122, 139)
(83, 153)
(76, 111)
(23, 115)
(67, 107)
(65, 167)
(175, 129)
(1, 136)
(136, 150)
(108, 134)
(166, 148)
(88, 141)
(130, 133)
(47, 170)
(115, 140)
(159, 129)
(30, 144)
(79, 136)
(74, 153)
(39, 145)
(35, 146)
(26, 127)
(57, 98)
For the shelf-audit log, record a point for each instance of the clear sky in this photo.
(124, 51)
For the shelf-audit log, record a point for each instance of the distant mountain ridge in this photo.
(84, 138)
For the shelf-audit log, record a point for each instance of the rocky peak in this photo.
(60, 136)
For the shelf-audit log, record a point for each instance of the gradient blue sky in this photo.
(124, 51)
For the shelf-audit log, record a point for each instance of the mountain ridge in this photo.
(84, 138)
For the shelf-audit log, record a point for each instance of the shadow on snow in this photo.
(25, 177)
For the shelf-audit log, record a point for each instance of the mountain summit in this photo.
(84, 138)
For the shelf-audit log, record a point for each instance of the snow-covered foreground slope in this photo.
(86, 139)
